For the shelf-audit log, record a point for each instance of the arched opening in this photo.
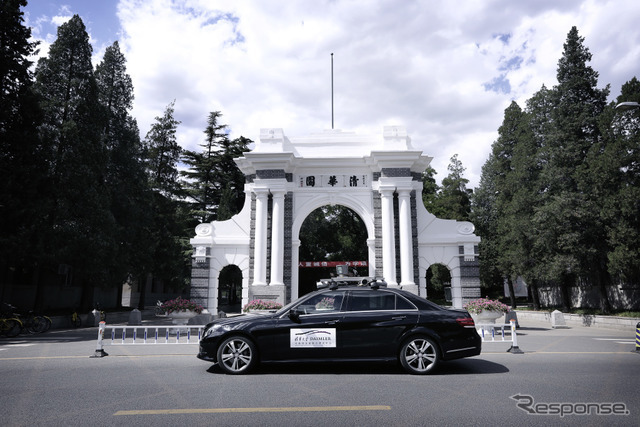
(330, 233)
(438, 280)
(230, 289)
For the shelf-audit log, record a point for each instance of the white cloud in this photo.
(64, 14)
(444, 69)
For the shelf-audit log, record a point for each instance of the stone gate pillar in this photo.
(260, 254)
(406, 240)
(388, 236)
(277, 239)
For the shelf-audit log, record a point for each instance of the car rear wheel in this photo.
(419, 355)
(237, 355)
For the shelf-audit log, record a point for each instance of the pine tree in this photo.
(616, 172)
(484, 217)
(163, 153)
(527, 163)
(510, 135)
(455, 197)
(77, 213)
(125, 175)
(567, 219)
(15, 77)
(430, 191)
(215, 184)
(168, 224)
(22, 166)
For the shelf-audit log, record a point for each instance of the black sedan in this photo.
(344, 324)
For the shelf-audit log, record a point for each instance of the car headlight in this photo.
(216, 329)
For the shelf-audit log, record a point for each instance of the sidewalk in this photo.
(580, 320)
(122, 318)
(539, 318)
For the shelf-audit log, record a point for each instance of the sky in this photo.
(444, 69)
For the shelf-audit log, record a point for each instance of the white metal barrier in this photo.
(150, 334)
(487, 332)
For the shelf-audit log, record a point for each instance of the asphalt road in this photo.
(49, 379)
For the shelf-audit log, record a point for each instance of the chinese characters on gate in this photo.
(335, 181)
(307, 264)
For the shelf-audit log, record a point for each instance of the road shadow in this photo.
(54, 336)
(470, 367)
(455, 367)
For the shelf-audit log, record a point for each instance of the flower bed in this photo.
(479, 305)
(180, 304)
(258, 304)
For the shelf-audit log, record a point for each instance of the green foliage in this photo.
(125, 175)
(78, 221)
(214, 184)
(22, 167)
(333, 233)
(438, 277)
(79, 191)
(616, 169)
(453, 199)
(169, 222)
(552, 195)
(430, 191)
(163, 153)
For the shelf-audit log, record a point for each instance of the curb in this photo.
(582, 320)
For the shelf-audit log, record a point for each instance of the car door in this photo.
(374, 322)
(312, 333)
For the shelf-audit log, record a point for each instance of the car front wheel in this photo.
(237, 355)
(419, 355)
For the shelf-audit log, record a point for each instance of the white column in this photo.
(388, 237)
(277, 239)
(260, 250)
(406, 242)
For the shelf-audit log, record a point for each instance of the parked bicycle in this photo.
(30, 322)
(10, 327)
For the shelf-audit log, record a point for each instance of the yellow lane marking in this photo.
(254, 410)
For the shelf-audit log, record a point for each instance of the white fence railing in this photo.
(147, 335)
(487, 332)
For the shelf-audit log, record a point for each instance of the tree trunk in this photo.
(535, 297)
(604, 281)
(143, 292)
(86, 301)
(512, 294)
(565, 285)
(119, 297)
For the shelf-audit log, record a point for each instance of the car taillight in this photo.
(465, 321)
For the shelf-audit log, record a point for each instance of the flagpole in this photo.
(331, 90)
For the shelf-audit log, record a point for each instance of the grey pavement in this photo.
(50, 379)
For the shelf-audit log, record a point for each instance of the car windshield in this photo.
(286, 308)
(321, 301)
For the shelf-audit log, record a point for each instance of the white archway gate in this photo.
(377, 176)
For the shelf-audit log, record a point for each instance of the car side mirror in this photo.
(294, 314)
